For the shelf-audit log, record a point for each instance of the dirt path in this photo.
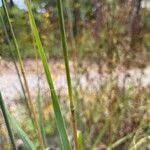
(11, 90)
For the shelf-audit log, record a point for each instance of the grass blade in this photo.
(80, 140)
(39, 98)
(100, 135)
(4, 111)
(65, 51)
(21, 134)
(58, 116)
(120, 141)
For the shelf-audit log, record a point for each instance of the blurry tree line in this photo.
(104, 28)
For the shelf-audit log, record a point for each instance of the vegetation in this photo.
(105, 44)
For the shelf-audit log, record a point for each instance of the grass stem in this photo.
(65, 51)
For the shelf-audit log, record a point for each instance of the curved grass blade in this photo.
(21, 134)
(58, 115)
(32, 107)
(4, 111)
(120, 141)
(65, 51)
(100, 135)
(145, 139)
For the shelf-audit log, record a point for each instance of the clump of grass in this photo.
(15, 64)
(141, 141)
(30, 102)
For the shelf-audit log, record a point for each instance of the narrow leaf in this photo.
(58, 115)
(4, 111)
(21, 134)
(80, 140)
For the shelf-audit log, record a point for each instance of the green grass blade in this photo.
(100, 135)
(65, 52)
(120, 141)
(58, 115)
(4, 111)
(39, 98)
(21, 134)
(80, 140)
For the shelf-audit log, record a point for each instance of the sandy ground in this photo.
(11, 89)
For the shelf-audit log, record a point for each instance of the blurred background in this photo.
(109, 53)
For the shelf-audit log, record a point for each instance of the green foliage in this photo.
(114, 24)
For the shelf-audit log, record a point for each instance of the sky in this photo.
(19, 3)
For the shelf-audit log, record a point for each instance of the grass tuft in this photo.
(30, 101)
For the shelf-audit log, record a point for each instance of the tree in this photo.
(97, 4)
(76, 17)
(11, 2)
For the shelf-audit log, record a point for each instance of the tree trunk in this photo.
(11, 3)
(134, 23)
(76, 17)
(98, 18)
